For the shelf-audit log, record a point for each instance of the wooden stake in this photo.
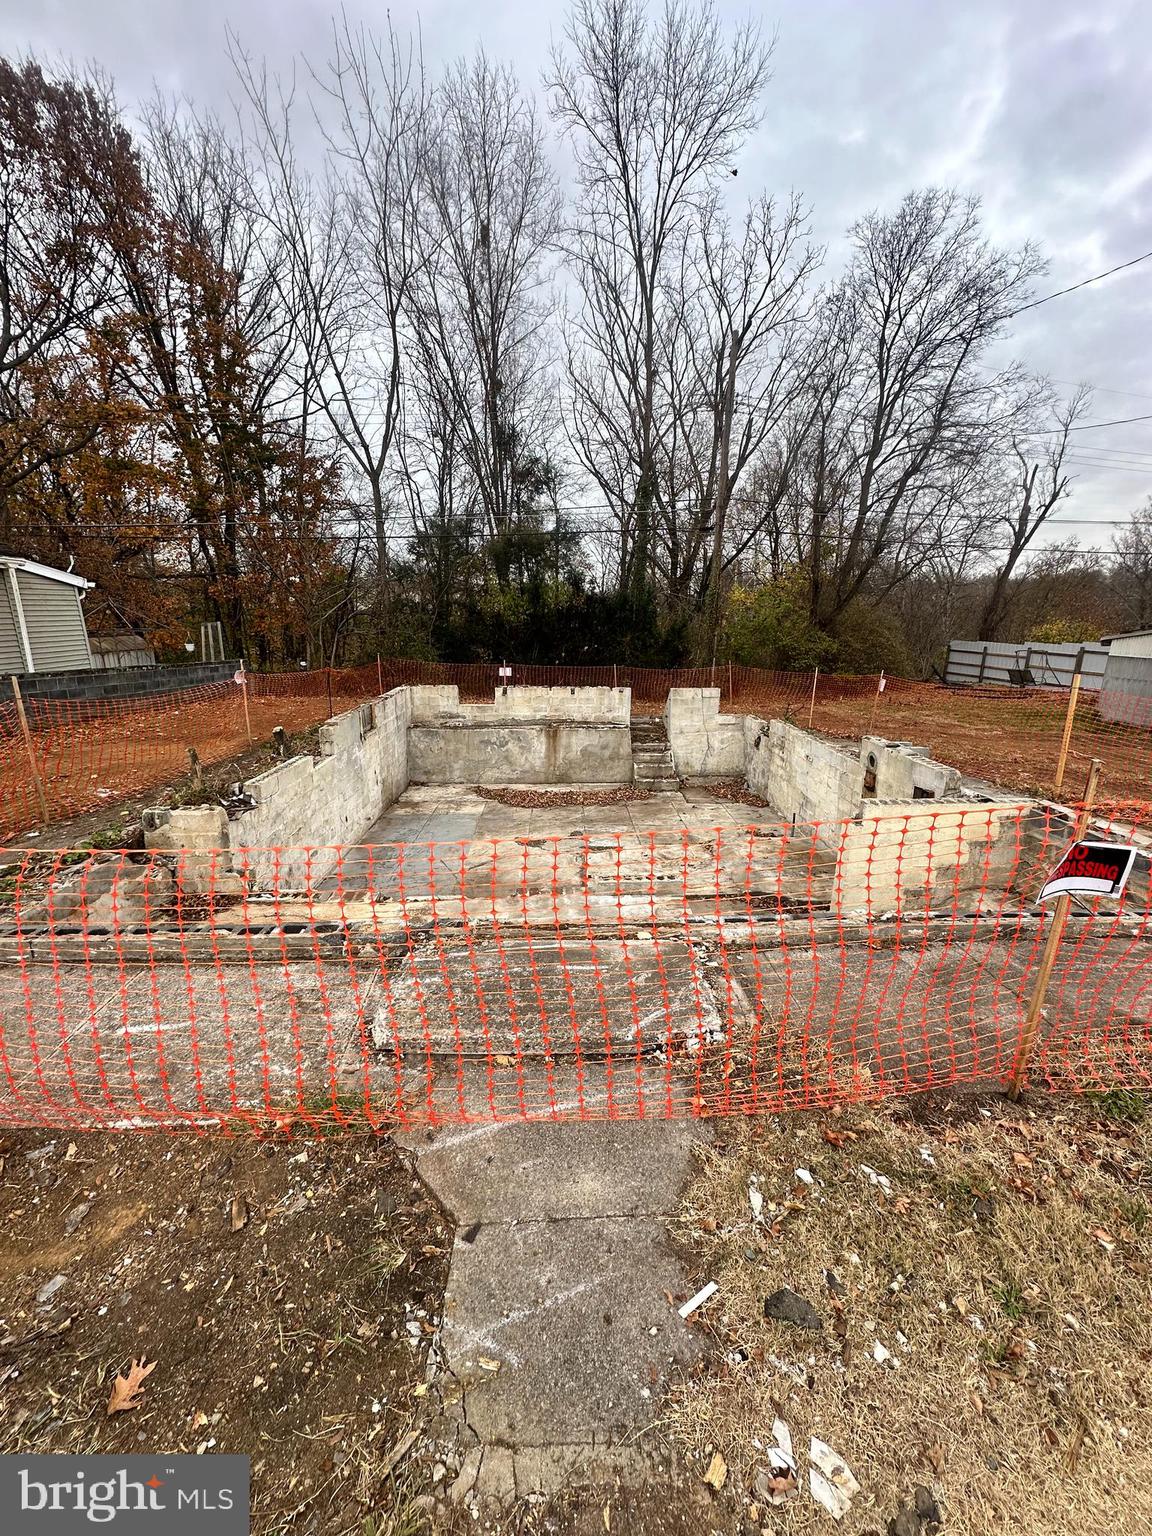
(247, 716)
(1066, 739)
(32, 763)
(876, 700)
(379, 675)
(1051, 947)
(812, 700)
(729, 682)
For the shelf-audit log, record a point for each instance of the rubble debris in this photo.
(785, 1306)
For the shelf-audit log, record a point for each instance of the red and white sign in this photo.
(1091, 869)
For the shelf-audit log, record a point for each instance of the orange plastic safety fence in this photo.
(90, 753)
(699, 972)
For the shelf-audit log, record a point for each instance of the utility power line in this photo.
(1084, 283)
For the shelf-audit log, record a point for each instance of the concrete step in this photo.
(660, 786)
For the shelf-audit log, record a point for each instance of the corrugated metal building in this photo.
(1126, 691)
(42, 626)
(1026, 665)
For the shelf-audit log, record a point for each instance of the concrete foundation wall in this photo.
(705, 743)
(607, 706)
(431, 700)
(895, 853)
(906, 772)
(801, 776)
(305, 803)
(522, 705)
(554, 752)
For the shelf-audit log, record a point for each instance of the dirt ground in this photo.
(976, 1281)
(286, 1291)
(1014, 744)
(978, 1274)
(89, 767)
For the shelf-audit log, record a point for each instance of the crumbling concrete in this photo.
(705, 743)
(557, 1337)
(302, 811)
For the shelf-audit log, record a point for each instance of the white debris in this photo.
(880, 1180)
(803, 1175)
(699, 1299)
(881, 1355)
(830, 1479)
(926, 1157)
(782, 1436)
(755, 1200)
(836, 1503)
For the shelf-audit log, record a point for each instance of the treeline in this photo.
(358, 372)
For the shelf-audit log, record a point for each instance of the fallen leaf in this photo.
(238, 1215)
(935, 1455)
(717, 1472)
(126, 1390)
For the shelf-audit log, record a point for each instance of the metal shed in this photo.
(42, 626)
(1126, 691)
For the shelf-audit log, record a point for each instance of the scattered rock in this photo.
(76, 1215)
(926, 1505)
(785, 1306)
(905, 1522)
(49, 1289)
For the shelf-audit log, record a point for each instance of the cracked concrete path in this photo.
(557, 1337)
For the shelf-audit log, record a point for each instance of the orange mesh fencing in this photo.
(700, 972)
(90, 753)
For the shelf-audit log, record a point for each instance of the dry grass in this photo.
(1008, 1274)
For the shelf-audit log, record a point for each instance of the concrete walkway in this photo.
(557, 1337)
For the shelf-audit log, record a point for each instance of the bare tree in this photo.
(1132, 567)
(907, 405)
(654, 111)
(1035, 482)
(738, 363)
(488, 215)
(351, 235)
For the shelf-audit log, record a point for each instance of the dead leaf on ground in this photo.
(238, 1215)
(717, 1472)
(935, 1455)
(126, 1390)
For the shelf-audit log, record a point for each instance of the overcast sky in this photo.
(1039, 106)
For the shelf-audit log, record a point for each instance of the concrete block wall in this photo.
(705, 743)
(307, 803)
(906, 772)
(519, 752)
(431, 700)
(801, 776)
(896, 854)
(120, 682)
(523, 701)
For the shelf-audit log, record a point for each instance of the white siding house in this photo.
(42, 626)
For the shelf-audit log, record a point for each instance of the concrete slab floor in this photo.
(557, 1330)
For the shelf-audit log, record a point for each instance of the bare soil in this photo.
(1011, 743)
(287, 1291)
(980, 1275)
(92, 767)
(117, 823)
